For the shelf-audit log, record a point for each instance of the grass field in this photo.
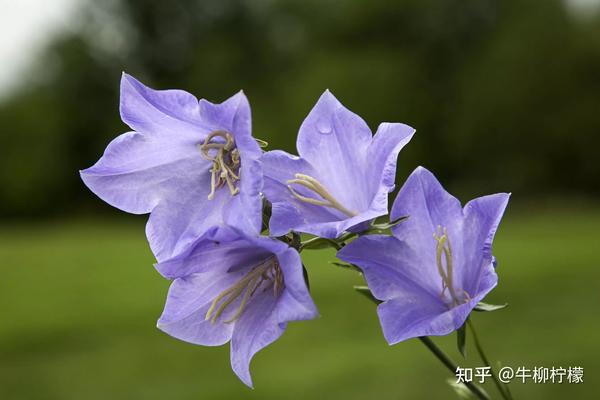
(79, 303)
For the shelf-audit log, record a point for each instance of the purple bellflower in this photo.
(437, 265)
(231, 286)
(342, 177)
(191, 164)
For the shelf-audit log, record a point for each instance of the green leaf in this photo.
(391, 224)
(262, 143)
(296, 241)
(481, 306)
(345, 265)
(319, 243)
(383, 227)
(461, 340)
(365, 291)
(305, 274)
(266, 215)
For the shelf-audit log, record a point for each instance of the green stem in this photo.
(443, 357)
(316, 239)
(502, 388)
(337, 243)
(439, 353)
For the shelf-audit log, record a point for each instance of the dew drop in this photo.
(324, 127)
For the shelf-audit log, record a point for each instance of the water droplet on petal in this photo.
(324, 127)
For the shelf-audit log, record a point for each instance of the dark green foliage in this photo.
(504, 94)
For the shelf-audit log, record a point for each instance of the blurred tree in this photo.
(504, 93)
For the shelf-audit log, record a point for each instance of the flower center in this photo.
(267, 274)
(219, 147)
(445, 269)
(327, 199)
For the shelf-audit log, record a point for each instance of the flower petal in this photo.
(392, 268)
(244, 210)
(428, 207)
(412, 305)
(337, 149)
(188, 301)
(220, 248)
(159, 169)
(288, 212)
(409, 317)
(413, 315)
(218, 260)
(482, 217)
(382, 155)
(135, 173)
(168, 113)
(334, 141)
(266, 316)
(177, 222)
(295, 303)
(334, 229)
(257, 328)
(234, 116)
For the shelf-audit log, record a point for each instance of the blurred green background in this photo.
(504, 94)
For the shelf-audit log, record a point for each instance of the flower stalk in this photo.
(452, 367)
(436, 351)
(502, 387)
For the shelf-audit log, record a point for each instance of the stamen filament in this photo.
(234, 295)
(268, 270)
(314, 185)
(211, 195)
(226, 162)
(216, 301)
(443, 248)
(242, 304)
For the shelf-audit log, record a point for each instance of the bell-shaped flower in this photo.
(342, 177)
(231, 286)
(191, 164)
(437, 265)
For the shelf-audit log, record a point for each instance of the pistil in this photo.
(225, 159)
(317, 187)
(266, 274)
(444, 253)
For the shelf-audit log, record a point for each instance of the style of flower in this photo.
(231, 286)
(437, 265)
(191, 164)
(342, 177)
